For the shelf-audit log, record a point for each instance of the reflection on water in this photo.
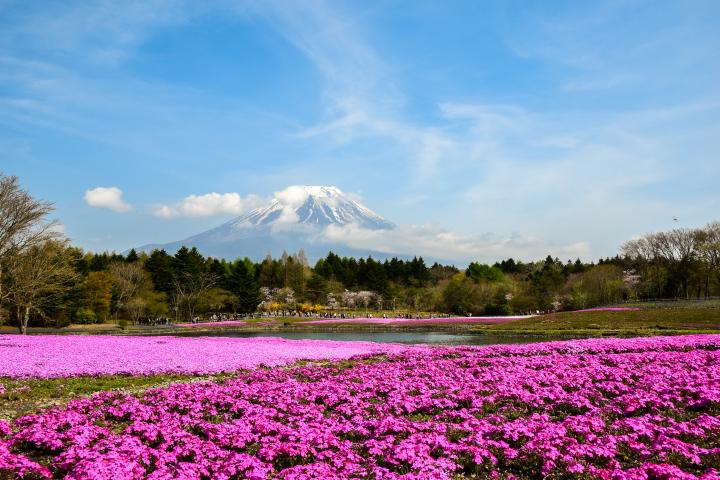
(436, 338)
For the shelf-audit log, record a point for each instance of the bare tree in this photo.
(190, 289)
(130, 280)
(675, 250)
(642, 248)
(678, 248)
(38, 276)
(709, 249)
(23, 224)
(135, 307)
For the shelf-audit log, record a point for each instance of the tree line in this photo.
(44, 280)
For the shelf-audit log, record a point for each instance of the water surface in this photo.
(433, 338)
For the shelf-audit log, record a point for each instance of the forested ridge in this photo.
(44, 280)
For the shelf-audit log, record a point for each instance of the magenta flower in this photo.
(645, 408)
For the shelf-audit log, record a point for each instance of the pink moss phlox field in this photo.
(211, 324)
(413, 321)
(46, 356)
(608, 409)
(609, 309)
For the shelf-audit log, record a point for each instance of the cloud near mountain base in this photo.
(209, 204)
(436, 243)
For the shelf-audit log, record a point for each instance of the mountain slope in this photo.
(295, 218)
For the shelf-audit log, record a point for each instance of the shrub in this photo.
(85, 316)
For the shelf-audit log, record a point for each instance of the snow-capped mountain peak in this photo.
(311, 205)
(294, 218)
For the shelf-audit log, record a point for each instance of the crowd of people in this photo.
(224, 317)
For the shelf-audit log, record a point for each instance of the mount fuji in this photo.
(296, 218)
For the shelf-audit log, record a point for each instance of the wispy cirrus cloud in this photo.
(553, 124)
(363, 100)
(103, 32)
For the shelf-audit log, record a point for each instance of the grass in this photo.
(22, 397)
(653, 321)
(26, 396)
(674, 303)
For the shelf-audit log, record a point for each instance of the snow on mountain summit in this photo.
(311, 205)
(294, 218)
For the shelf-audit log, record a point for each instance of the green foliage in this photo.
(189, 262)
(241, 282)
(461, 296)
(546, 281)
(132, 256)
(84, 316)
(97, 294)
(511, 266)
(403, 285)
(160, 267)
(500, 303)
(370, 274)
(480, 272)
(603, 285)
(23, 397)
(317, 289)
(639, 322)
(62, 319)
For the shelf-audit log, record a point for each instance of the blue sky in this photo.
(514, 127)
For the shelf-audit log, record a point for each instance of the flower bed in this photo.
(609, 309)
(416, 321)
(46, 356)
(620, 409)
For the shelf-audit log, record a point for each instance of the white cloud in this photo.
(209, 204)
(107, 197)
(165, 211)
(293, 196)
(433, 242)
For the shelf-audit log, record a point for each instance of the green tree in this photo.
(132, 256)
(160, 267)
(39, 277)
(461, 296)
(241, 282)
(317, 289)
(480, 271)
(97, 294)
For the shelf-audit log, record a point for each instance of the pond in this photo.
(434, 338)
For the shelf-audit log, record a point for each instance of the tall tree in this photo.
(38, 277)
(160, 267)
(242, 284)
(97, 293)
(675, 251)
(709, 248)
(23, 224)
(130, 281)
(189, 292)
(481, 271)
